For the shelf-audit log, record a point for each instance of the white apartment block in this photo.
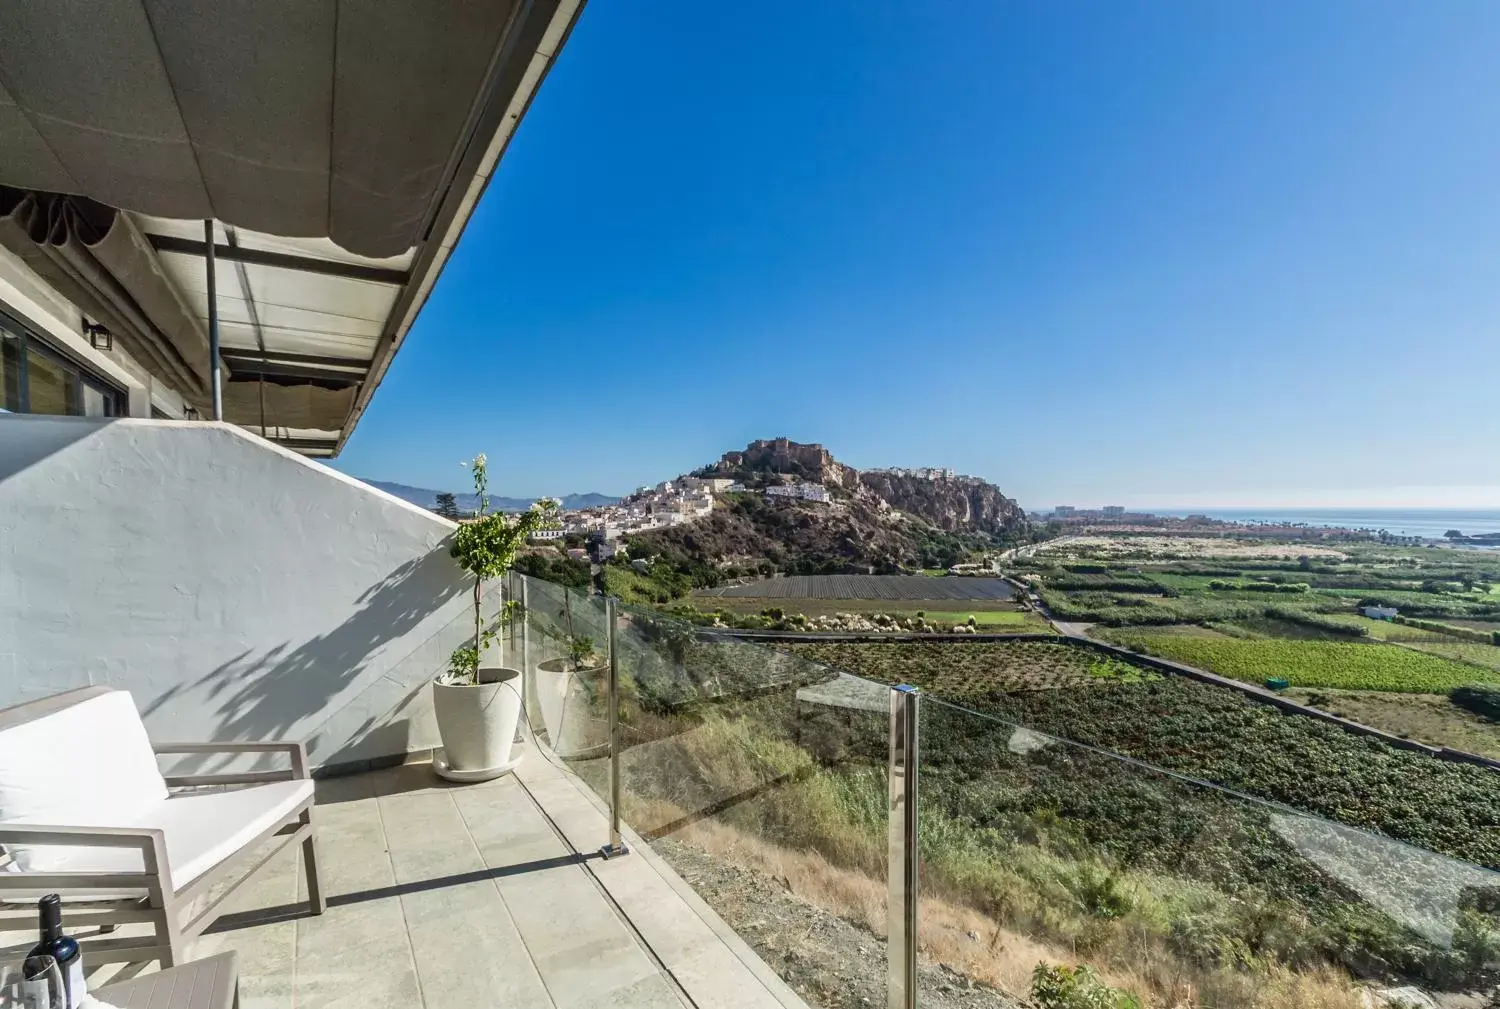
(802, 491)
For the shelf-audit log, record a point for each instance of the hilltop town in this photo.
(670, 503)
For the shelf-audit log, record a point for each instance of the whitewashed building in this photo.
(800, 491)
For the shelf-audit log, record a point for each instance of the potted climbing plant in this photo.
(478, 705)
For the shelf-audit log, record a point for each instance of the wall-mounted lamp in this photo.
(99, 336)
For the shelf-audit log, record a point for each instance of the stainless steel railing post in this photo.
(902, 875)
(524, 630)
(520, 642)
(616, 845)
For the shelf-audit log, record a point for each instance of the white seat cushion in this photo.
(85, 763)
(202, 829)
(205, 828)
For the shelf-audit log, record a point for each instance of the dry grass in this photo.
(978, 947)
(1426, 718)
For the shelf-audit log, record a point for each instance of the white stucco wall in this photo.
(238, 590)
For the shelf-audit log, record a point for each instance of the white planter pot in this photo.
(477, 724)
(573, 731)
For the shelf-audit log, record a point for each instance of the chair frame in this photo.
(160, 905)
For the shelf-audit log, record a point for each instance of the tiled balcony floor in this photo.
(480, 895)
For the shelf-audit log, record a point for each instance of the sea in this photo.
(1426, 522)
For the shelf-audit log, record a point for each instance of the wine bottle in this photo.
(62, 948)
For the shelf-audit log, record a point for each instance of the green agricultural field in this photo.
(1385, 630)
(1182, 582)
(1335, 664)
(1485, 626)
(1130, 581)
(1486, 656)
(959, 669)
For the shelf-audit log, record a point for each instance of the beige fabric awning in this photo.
(97, 258)
(307, 118)
(339, 147)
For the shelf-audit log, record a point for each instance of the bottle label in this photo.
(76, 985)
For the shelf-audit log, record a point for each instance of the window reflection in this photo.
(50, 388)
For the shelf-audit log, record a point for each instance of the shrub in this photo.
(1480, 698)
(1059, 987)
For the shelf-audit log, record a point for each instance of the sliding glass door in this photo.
(37, 378)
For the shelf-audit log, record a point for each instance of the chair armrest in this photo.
(296, 751)
(93, 837)
(150, 841)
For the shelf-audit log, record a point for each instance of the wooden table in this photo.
(210, 983)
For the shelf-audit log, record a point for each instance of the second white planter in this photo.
(565, 697)
(477, 725)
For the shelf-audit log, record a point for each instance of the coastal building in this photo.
(919, 473)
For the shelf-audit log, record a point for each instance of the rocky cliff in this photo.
(953, 504)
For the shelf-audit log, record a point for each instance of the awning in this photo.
(97, 258)
(339, 145)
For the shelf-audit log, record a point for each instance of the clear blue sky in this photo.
(1145, 251)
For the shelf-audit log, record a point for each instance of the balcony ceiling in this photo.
(338, 145)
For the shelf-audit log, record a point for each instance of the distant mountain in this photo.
(590, 500)
(425, 498)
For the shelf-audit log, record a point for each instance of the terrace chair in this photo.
(86, 813)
